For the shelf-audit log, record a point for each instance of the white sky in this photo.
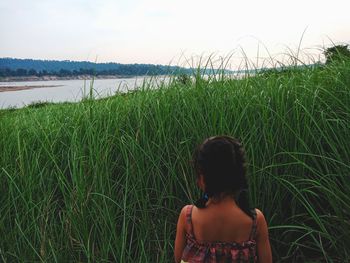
(167, 31)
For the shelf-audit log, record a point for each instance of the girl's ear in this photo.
(201, 183)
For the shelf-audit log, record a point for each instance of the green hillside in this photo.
(104, 181)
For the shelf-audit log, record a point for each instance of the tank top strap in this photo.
(254, 226)
(189, 218)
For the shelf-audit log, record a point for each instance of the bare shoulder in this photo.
(259, 214)
(185, 209)
(181, 229)
(181, 223)
(261, 223)
(183, 212)
(262, 238)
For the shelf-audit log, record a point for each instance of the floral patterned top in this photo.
(218, 252)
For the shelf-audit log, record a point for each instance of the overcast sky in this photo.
(167, 31)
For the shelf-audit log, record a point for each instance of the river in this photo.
(67, 90)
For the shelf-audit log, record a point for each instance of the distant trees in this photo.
(20, 72)
(32, 72)
(29, 67)
(337, 53)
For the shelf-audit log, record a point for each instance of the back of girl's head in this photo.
(221, 162)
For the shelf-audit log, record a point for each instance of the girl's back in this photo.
(221, 227)
(213, 238)
(223, 221)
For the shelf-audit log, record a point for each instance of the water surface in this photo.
(67, 90)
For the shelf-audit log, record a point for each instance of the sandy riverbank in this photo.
(17, 88)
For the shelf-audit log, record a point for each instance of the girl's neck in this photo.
(222, 200)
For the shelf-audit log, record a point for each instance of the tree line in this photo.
(11, 67)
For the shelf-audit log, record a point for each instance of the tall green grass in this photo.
(104, 181)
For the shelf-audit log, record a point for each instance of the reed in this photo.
(104, 180)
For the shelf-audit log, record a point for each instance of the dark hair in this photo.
(221, 161)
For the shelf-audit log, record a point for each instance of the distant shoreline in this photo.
(26, 87)
(50, 78)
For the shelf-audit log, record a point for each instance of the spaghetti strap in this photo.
(201, 251)
(189, 219)
(254, 226)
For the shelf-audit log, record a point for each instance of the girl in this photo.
(221, 227)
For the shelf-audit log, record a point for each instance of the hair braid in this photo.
(242, 196)
(223, 158)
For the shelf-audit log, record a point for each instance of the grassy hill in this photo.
(104, 181)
